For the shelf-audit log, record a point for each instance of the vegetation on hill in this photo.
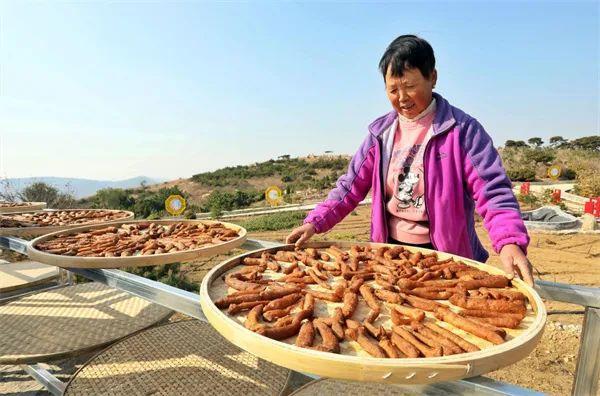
(294, 173)
(579, 159)
(231, 189)
(219, 201)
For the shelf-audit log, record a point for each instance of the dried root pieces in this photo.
(427, 304)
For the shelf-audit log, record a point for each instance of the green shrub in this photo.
(169, 274)
(521, 174)
(513, 143)
(113, 198)
(568, 174)
(143, 202)
(154, 216)
(539, 155)
(219, 201)
(149, 202)
(588, 183)
(528, 199)
(190, 211)
(590, 143)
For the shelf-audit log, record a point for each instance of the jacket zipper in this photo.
(425, 157)
(384, 206)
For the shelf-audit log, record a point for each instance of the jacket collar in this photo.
(444, 119)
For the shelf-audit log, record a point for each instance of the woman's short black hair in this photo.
(406, 52)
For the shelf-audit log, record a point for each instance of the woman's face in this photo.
(411, 93)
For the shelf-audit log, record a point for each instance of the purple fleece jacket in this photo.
(463, 172)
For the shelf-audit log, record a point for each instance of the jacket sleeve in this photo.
(491, 188)
(350, 189)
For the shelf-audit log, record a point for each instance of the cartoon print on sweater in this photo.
(404, 191)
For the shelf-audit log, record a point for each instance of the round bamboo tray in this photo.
(133, 261)
(30, 206)
(361, 366)
(24, 274)
(43, 230)
(181, 358)
(66, 322)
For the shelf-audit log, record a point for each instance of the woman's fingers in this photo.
(524, 267)
(507, 265)
(301, 234)
(294, 235)
(303, 238)
(515, 264)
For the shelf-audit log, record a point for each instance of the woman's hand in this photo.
(515, 263)
(301, 234)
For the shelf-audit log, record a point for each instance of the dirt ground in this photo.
(572, 259)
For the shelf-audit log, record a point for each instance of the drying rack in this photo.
(586, 374)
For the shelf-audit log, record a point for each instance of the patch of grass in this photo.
(274, 222)
(342, 236)
(169, 274)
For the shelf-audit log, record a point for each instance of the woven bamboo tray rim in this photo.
(60, 323)
(31, 206)
(339, 366)
(134, 261)
(43, 230)
(133, 375)
(11, 279)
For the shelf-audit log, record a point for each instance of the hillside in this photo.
(302, 178)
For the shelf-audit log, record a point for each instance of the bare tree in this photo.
(7, 191)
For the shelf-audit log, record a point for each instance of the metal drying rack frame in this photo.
(586, 373)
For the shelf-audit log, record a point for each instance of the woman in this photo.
(429, 165)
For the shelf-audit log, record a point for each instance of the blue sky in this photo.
(163, 89)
